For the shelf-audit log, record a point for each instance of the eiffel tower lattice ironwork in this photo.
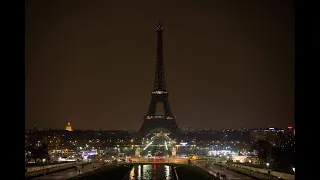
(159, 95)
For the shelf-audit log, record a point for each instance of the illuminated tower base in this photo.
(68, 127)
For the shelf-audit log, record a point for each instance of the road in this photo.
(68, 173)
(254, 174)
(217, 169)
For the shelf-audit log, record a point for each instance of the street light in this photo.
(294, 170)
(250, 167)
(268, 170)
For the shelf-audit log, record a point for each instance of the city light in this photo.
(183, 143)
(147, 145)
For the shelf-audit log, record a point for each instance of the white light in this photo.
(294, 169)
(139, 171)
(167, 168)
(159, 92)
(183, 143)
(147, 145)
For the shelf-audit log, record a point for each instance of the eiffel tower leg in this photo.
(167, 108)
(152, 108)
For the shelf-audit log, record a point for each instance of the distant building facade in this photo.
(68, 127)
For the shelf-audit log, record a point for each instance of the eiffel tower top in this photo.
(159, 82)
(159, 27)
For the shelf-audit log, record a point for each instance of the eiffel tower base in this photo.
(156, 123)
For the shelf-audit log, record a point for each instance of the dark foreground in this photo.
(107, 172)
(146, 172)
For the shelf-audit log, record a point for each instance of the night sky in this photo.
(227, 63)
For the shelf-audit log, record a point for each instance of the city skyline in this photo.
(69, 127)
(94, 65)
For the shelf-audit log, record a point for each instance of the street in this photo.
(217, 169)
(68, 173)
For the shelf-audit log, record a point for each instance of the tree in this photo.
(264, 150)
(281, 158)
(40, 152)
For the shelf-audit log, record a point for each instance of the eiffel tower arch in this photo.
(159, 96)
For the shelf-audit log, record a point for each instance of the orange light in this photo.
(289, 127)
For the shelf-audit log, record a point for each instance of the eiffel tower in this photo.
(159, 95)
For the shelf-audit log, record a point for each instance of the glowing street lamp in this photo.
(250, 167)
(269, 173)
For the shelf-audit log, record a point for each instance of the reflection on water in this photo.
(154, 172)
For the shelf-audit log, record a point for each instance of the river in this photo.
(151, 172)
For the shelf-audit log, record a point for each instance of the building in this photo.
(68, 127)
(245, 159)
(269, 135)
